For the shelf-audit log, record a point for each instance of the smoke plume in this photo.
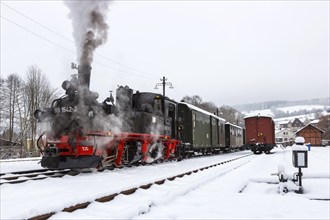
(90, 29)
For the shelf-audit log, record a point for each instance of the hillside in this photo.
(284, 109)
(281, 104)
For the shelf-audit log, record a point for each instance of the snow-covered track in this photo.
(40, 174)
(131, 191)
(23, 176)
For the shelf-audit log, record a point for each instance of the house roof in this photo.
(315, 121)
(283, 122)
(308, 126)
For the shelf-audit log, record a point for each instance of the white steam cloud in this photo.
(90, 29)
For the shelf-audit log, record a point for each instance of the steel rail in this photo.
(14, 177)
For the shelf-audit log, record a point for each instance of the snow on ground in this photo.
(22, 164)
(244, 189)
(292, 118)
(291, 109)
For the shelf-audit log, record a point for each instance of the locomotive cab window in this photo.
(171, 111)
(157, 104)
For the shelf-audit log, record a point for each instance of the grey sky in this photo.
(228, 52)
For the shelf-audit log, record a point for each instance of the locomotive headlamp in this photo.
(66, 85)
(91, 114)
(37, 114)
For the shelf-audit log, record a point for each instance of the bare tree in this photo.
(38, 94)
(12, 92)
(231, 115)
(2, 104)
(209, 106)
(324, 124)
(194, 100)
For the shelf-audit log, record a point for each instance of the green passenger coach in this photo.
(201, 131)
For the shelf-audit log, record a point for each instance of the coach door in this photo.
(171, 117)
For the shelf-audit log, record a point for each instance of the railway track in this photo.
(40, 174)
(23, 176)
(131, 191)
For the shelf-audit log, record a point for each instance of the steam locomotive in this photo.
(140, 127)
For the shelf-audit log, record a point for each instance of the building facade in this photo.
(312, 134)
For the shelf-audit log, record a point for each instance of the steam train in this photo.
(139, 128)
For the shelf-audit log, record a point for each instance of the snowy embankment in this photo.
(242, 189)
(22, 164)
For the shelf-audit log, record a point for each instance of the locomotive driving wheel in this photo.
(155, 152)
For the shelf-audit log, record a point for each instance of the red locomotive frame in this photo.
(106, 149)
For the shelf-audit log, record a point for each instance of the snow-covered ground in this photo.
(302, 118)
(243, 189)
(291, 109)
(21, 164)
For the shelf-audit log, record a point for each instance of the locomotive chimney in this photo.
(84, 75)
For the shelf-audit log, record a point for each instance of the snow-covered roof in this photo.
(309, 125)
(259, 115)
(202, 111)
(282, 130)
(296, 147)
(267, 112)
(283, 122)
(233, 125)
(292, 118)
(315, 121)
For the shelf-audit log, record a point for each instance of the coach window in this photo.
(194, 120)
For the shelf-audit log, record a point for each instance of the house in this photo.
(284, 136)
(312, 134)
(297, 124)
(284, 124)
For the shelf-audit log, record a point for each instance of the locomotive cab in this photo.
(148, 113)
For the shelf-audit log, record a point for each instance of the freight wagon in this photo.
(260, 133)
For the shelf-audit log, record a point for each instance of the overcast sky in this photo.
(228, 52)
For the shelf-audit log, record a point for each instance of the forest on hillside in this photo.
(281, 104)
